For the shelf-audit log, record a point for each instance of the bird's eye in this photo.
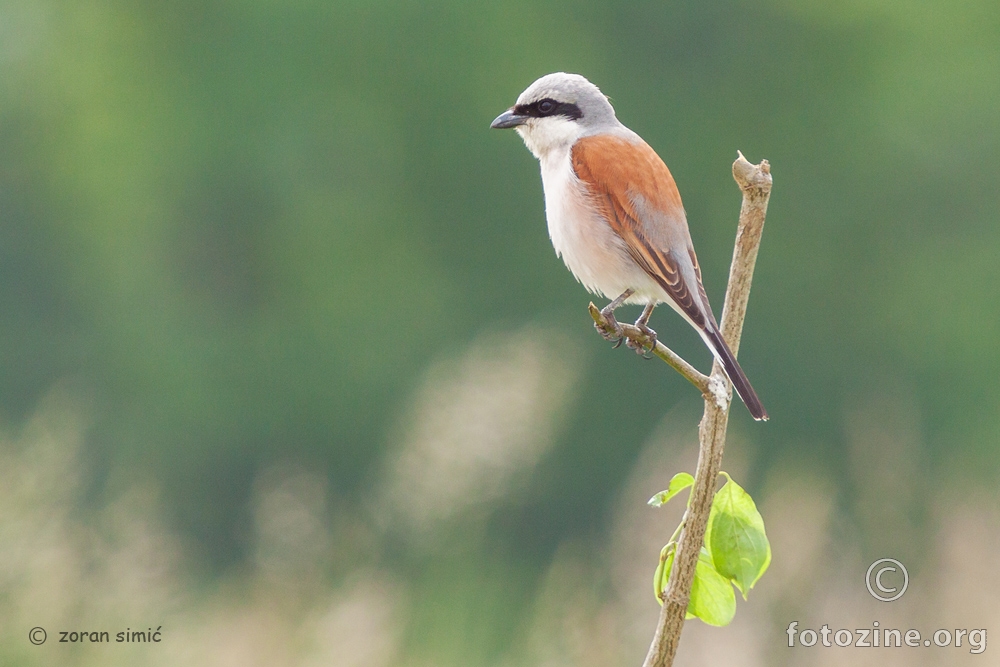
(546, 107)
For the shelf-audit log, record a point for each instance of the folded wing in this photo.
(637, 195)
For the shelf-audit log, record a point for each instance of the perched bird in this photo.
(614, 213)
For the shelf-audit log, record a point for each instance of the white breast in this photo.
(594, 253)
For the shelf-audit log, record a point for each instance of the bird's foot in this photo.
(646, 346)
(610, 330)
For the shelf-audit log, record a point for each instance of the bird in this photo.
(614, 212)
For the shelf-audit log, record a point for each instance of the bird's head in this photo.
(555, 111)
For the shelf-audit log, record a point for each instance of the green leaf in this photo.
(712, 597)
(735, 536)
(678, 483)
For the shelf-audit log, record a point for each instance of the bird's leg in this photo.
(641, 325)
(612, 331)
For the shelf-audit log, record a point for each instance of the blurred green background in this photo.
(288, 364)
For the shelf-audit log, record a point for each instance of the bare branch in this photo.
(755, 181)
(642, 341)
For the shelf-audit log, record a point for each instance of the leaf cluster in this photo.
(736, 551)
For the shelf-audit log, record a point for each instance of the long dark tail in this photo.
(739, 379)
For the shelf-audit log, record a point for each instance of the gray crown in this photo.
(574, 89)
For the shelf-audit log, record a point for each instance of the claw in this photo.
(651, 335)
(610, 323)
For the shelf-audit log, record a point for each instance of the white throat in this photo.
(545, 136)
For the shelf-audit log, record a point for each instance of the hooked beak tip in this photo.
(508, 119)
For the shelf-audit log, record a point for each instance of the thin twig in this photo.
(755, 182)
(642, 341)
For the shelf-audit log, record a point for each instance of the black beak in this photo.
(508, 119)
